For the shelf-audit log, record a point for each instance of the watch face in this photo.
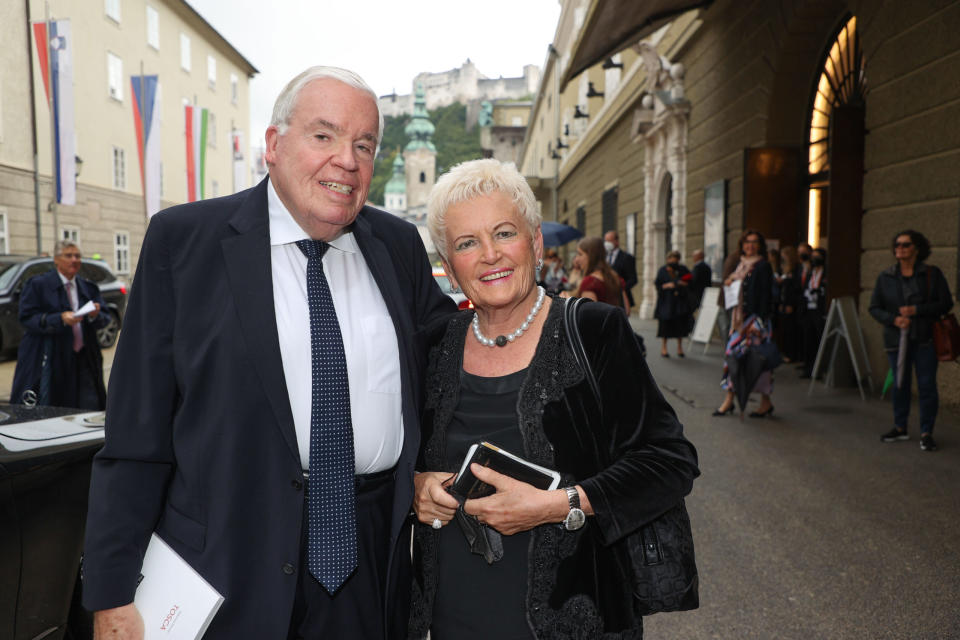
(575, 520)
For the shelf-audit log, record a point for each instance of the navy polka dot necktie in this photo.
(331, 507)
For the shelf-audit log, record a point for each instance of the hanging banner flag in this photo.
(54, 44)
(236, 140)
(146, 119)
(196, 151)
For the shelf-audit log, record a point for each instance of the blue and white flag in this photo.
(55, 40)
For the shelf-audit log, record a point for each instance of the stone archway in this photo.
(660, 123)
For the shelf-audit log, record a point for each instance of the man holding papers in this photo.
(265, 394)
(59, 361)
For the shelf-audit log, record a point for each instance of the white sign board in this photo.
(707, 317)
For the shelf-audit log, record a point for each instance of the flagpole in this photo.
(54, 165)
(33, 137)
(143, 145)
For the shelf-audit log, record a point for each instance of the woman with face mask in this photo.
(813, 309)
(674, 311)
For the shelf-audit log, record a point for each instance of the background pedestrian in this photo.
(674, 310)
(907, 299)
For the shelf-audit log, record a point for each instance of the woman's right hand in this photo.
(430, 498)
(728, 281)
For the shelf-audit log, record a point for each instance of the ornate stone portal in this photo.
(660, 123)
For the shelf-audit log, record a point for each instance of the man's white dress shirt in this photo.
(369, 340)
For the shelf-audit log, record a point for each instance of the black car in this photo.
(16, 270)
(45, 460)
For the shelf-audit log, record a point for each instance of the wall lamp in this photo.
(593, 93)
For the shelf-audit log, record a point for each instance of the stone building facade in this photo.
(727, 97)
(465, 85)
(112, 41)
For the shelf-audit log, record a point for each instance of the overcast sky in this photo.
(386, 41)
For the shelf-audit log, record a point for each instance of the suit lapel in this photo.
(247, 256)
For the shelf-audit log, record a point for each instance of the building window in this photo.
(211, 130)
(234, 88)
(4, 246)
(608, 204)
(115, 77)
(211, 72)
(70, 233)
(119, 169)
(121, 251)
(185, 52)
(153, 28)
(842, 82)
(423, 177)
(582, 218)
(112, 8)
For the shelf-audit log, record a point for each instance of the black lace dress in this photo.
(476, 600)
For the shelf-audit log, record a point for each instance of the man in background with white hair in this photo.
(263, 411)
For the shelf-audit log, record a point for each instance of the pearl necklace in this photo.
(501, 341)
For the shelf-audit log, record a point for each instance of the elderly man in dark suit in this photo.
(622, 262)
(59, 361)
(702, 276)
(263, 414)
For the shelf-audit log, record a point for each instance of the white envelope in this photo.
(176, 603)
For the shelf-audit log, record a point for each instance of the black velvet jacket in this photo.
(634, 464)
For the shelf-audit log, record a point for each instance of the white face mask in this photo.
(608, 246)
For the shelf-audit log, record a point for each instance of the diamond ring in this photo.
(436, 523)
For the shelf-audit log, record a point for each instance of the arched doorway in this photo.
(835, 144)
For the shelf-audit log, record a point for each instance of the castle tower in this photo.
(395, 191)
(420, 156)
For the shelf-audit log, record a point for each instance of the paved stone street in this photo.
(807, 525)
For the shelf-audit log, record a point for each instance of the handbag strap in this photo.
(572, 328)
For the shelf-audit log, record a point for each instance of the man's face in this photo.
(611, 237)
(322, 165)
(68, 262)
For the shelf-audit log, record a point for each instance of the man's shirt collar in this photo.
(285, 230)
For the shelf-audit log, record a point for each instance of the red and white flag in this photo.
(54, 45)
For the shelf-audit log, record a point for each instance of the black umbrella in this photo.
(745, 369)
(557, 233)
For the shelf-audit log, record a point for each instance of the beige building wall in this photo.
(110, 203)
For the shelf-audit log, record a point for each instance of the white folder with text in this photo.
(176, 603)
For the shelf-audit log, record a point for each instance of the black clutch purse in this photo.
(661, 552)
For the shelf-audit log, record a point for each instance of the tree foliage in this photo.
(454, 144)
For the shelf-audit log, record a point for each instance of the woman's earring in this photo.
(539, 264)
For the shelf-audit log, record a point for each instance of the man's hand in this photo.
(516, 506)
(121, 623)
(69, 319)
(96, 310)
(430, 498)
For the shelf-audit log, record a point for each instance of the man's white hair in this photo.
(473, 179)
(283, 107)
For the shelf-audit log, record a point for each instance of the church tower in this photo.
(420, 156)
(395, 191)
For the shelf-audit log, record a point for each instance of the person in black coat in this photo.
(907, 299)
(813, 308)
(674, 309)
(59, 361)
(622, 262)
(750, 319)
(702, 277)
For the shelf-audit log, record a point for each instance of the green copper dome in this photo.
(398, 181)
(420, 129)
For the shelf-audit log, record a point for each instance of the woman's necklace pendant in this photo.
(501, 341)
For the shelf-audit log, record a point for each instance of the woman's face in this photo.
(580, 262)
(672, 260)
(751, 245)
(904, 249)
(491, 254)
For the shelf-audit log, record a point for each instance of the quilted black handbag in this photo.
(661, 552)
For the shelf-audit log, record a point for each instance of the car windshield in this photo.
(444, 283)
(8, 271)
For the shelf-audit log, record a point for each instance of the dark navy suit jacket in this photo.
(200, 440)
